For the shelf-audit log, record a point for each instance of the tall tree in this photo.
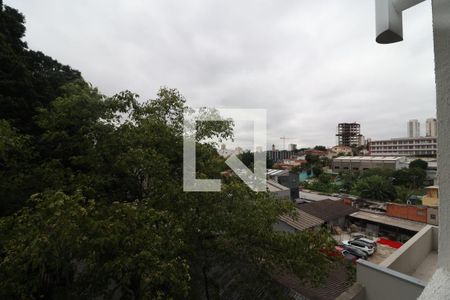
(93, 201)
(418, 163)
(375, 187)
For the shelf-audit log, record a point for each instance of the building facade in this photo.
(362, 163)
(349, 134)
(292, 147)
(413, 128)
(419, 146)
(277, 155)
(431, 127)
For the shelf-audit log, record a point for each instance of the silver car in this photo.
(360, 245)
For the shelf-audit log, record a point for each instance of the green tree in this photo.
(312, 158)
(317, 170)
(107, 208)
(67, 246)
(413, 177)
(325, 178)
(403, 194)
(247, 158)
(321, 148)
(29, 80)
(375, 187)
(347, 180)
(418, 163)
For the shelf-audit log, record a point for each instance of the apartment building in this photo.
(417, 146)
(431, 127)
(413, 128)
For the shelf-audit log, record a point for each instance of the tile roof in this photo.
(302, 221)
(327, 210)
(337, 282)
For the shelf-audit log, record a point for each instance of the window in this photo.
(432, 216)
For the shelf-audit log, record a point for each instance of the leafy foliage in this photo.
(375, 187)
(412, 178)
(66, 246)
(418, 163)
(92, 200)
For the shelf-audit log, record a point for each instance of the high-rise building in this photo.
(348, 134)
(413, 128)
(292, 147)
(431, 127)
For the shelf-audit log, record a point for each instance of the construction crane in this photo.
(284, 141)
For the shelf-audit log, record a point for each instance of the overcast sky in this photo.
(311, 64)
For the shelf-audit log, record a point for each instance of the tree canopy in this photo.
(418, 163)
(375, 187)
(92, 199)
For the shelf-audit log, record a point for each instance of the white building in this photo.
(362, 163)
(413, 128)
(418, 146)
(431, 127)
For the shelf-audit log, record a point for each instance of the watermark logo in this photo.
(255, 180)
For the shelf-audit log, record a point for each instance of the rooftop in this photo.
(301, 221)
(406, 138)
(313, 197)
(371, 158)
(276, 172)
(327, 210)
(387, 220)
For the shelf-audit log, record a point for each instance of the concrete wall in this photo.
(438, 289)
(382, 283)
(282, 194)
(412, 253)
(431, 211)
(441, 30)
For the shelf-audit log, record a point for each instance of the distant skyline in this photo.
(311, 64)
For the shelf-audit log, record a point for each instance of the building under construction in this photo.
(349, 134)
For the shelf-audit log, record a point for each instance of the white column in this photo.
(439, 286)
(441, 28)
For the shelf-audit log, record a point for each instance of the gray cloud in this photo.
(311, 64)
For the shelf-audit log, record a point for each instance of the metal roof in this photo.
(387, 220)
(313, 197)
(301, 221)
(275, 172)
(327, 210)
(368, 158)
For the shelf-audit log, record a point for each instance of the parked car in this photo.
(367, 241)
(360, 245)
(354, 251)
(350, 257)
